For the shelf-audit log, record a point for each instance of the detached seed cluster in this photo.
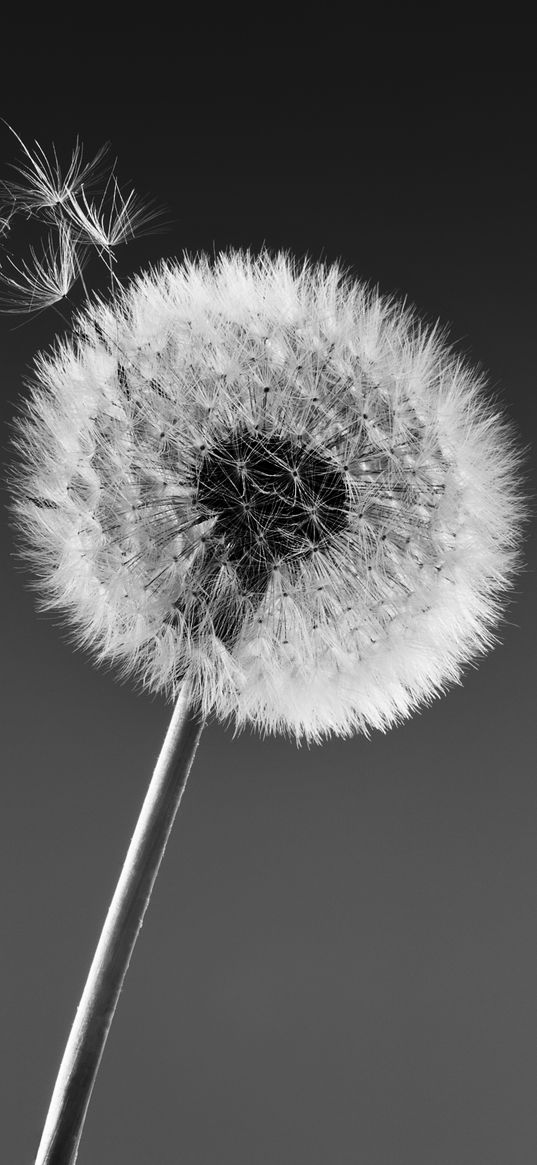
(267, 479)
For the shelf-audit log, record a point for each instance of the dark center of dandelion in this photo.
(275, 500)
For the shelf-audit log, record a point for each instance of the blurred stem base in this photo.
(82, 1056)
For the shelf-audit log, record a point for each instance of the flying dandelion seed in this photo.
(77, 224)
(44, 188)
(264, 490)
(116, 219)
(43, 280)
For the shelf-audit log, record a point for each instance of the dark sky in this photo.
(340, 957)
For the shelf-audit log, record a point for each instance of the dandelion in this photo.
(267, 492)
(268, 480)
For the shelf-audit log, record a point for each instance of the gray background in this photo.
(340, 958)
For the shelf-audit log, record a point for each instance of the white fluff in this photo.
(350, 631)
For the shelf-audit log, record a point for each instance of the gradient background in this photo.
(340, 958)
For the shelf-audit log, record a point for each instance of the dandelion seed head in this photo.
(267, 478)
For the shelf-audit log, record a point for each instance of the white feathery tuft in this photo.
(44, 188)
(268, 478)
(77, 224)
(45, 279)
(115, 219)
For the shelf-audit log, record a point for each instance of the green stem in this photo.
(82, 1056)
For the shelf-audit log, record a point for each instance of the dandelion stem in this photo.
(82, 1056)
